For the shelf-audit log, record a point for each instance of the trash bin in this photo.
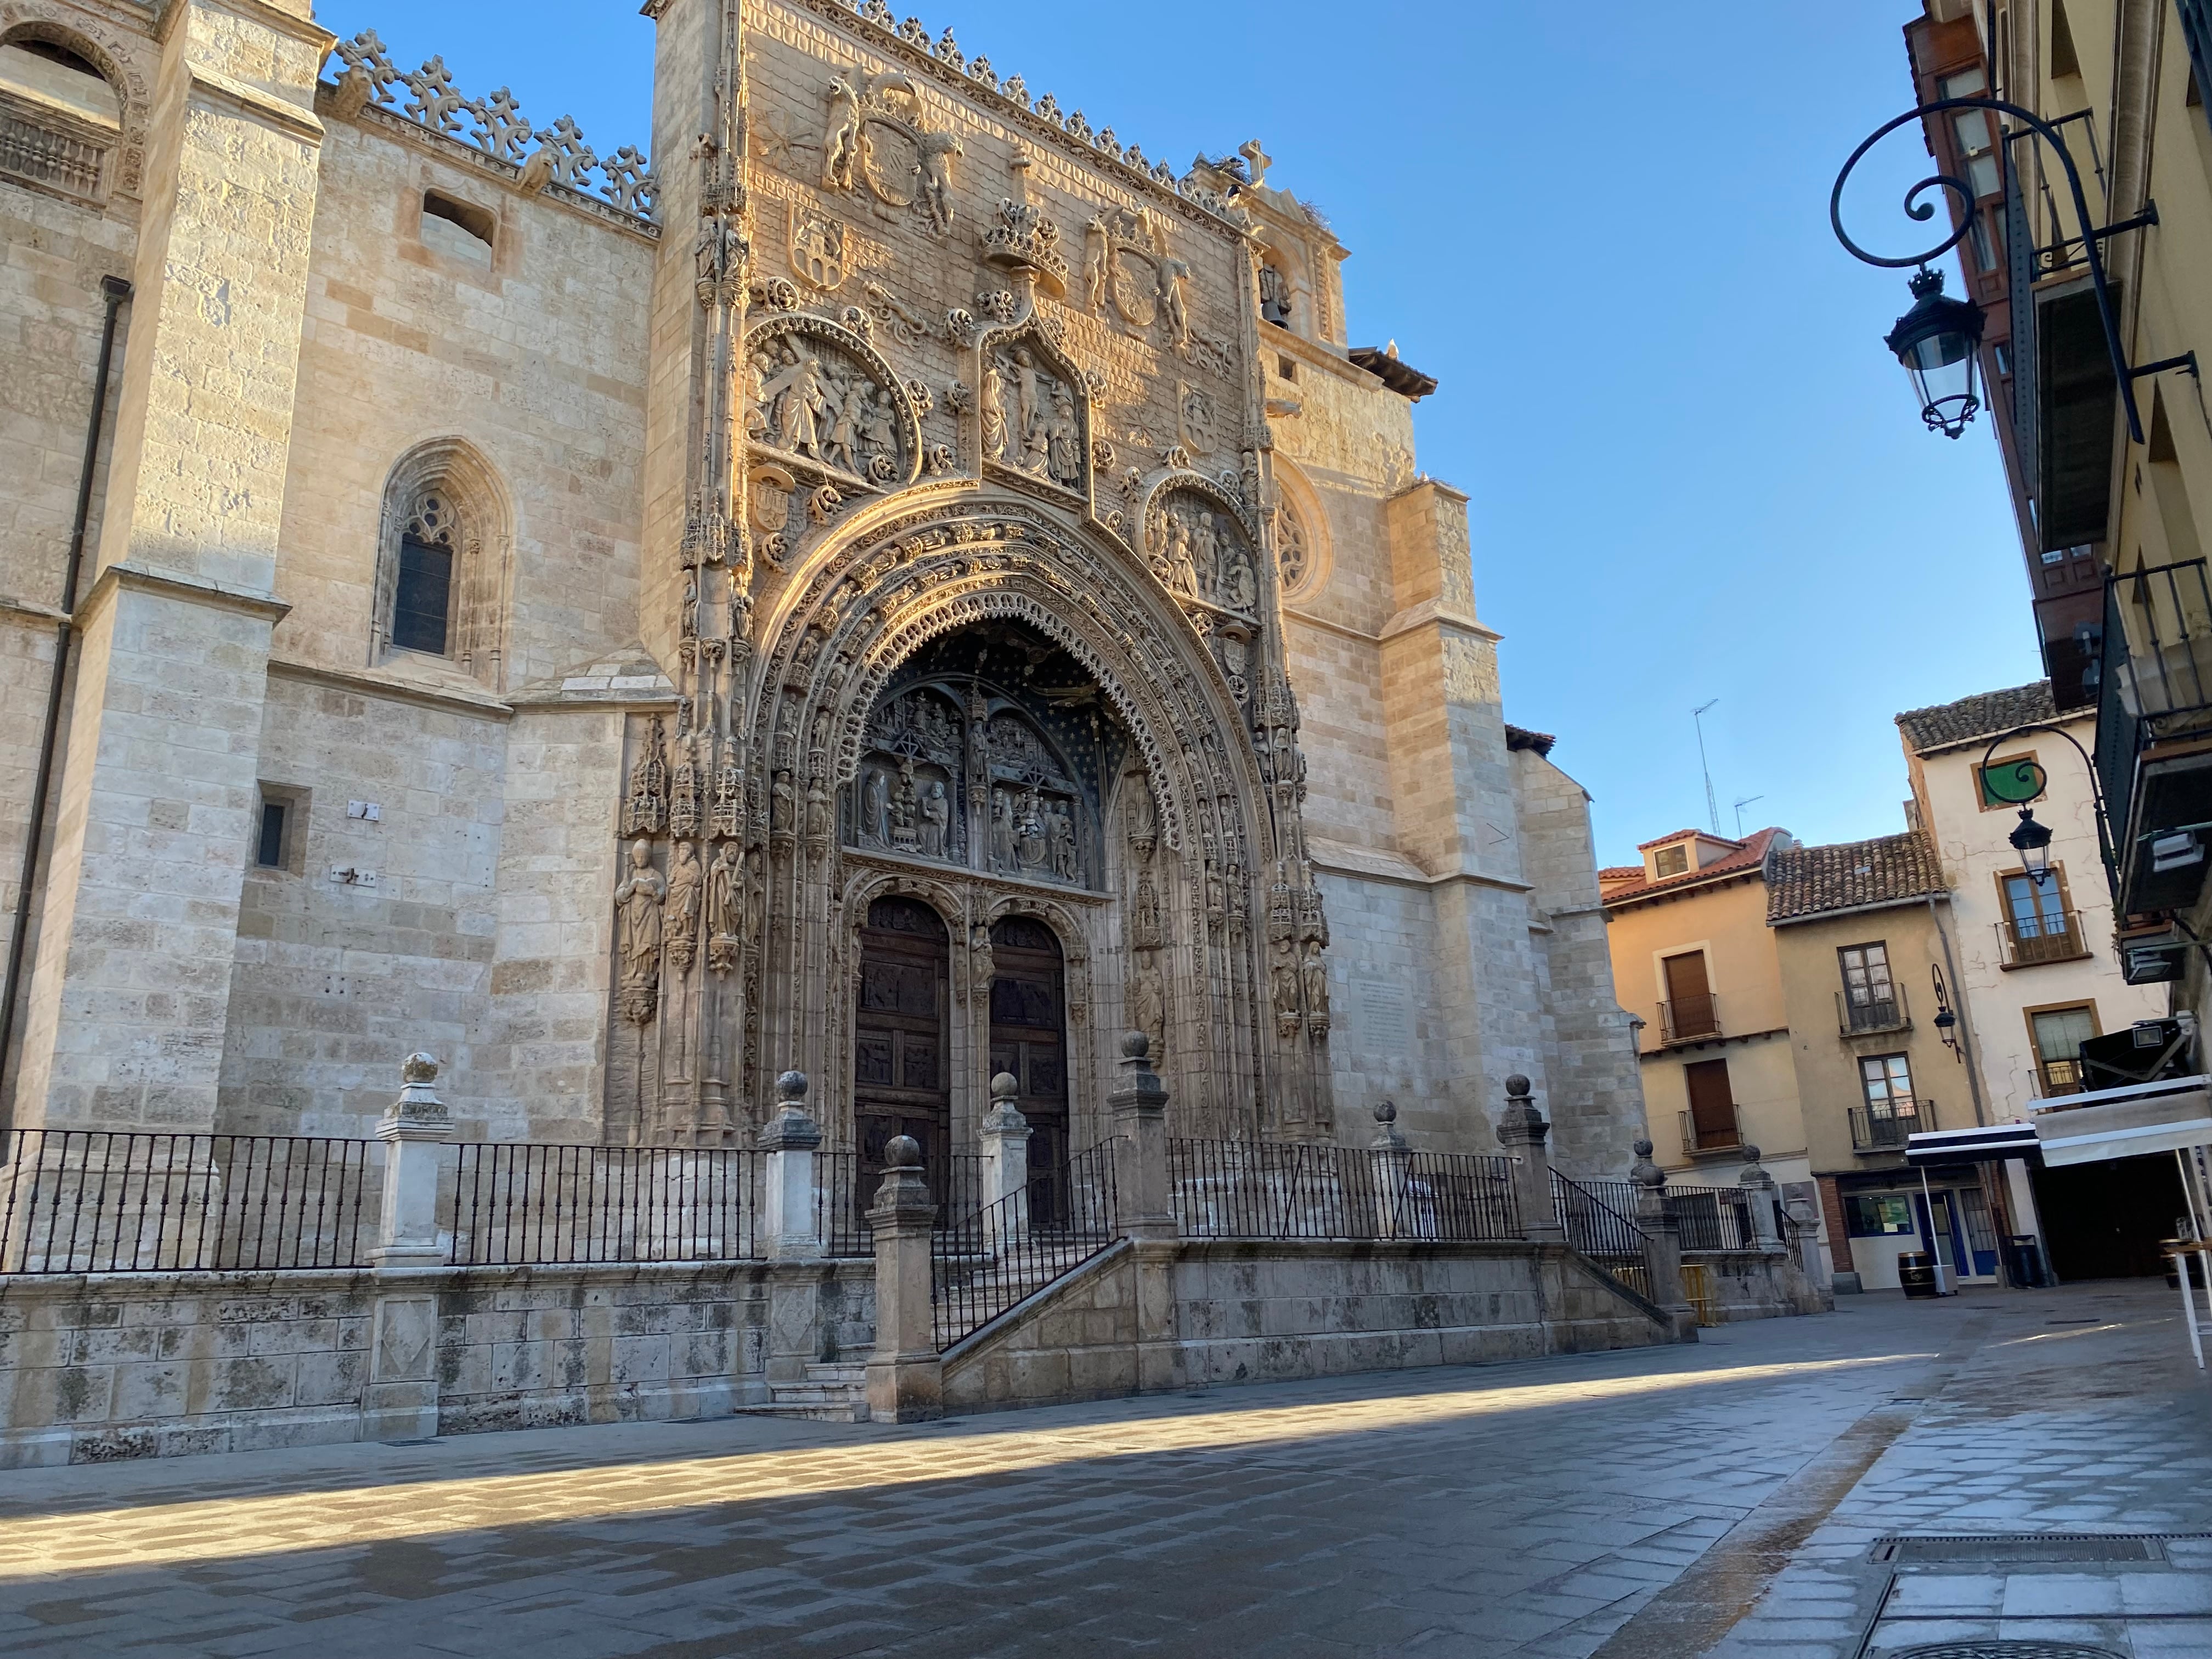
(2025, 1261)
(1916, 1272)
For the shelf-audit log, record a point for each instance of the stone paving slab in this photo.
(1533, 1510)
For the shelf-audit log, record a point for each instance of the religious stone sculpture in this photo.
(680, 911)
(638, 900)
(724, 908)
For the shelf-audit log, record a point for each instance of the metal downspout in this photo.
(117, 294)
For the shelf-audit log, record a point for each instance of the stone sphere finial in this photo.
(1517, 1086)
(904, 1152)
(1004, 1087)
(1135, 1045)
(791, 1086)
(1646, 1173)
(1386, 1112)
(1750, 1154)
(419, 1067)
(1642, 1149)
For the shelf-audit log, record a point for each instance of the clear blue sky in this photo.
(1695, 472)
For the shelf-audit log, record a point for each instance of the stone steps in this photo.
(829, 1393)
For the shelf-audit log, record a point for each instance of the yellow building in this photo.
(1694, 964)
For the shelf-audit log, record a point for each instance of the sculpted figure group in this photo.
(809, 402)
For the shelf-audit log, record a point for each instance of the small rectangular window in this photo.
(423, 598)
(1286, 368)
(269, 854)
(1671, 861)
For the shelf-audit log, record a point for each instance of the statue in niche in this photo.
(818, 811)
(1148, 1006)
(1062, 460)
(1145, 919)
(1060, 832)
(780, 804)
(1002, 831)
(690, 623)
(1283, 982)
(873, 808)
(1028, 410)
(1240, 591)
(1316, 974)
(637, 906)
(905, 808)
(724, 908)
(1182, 568)
(1098, 261)
(1205, 554)
(1029, 834)
(936, 813)
(681, 910)
(993, 407)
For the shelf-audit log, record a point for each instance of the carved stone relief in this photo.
(1035, 419)
(1127, 265)
(1200, 552)
(875, 139)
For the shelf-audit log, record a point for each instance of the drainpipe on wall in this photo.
(118, 295)
(1966, 1026)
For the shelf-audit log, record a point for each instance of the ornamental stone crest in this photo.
(875, 139)
(815, 244)
(1129, 273)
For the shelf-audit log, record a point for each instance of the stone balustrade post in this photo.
(399, 1399)
(1396, 1215)
(905, 1378)
(1524, 1134)
(1662, 1255)
(413, 1132)
(790, 1220)
(1760, 1197)
(1007, 1160)
(1139, 1109)
(1805, 1221)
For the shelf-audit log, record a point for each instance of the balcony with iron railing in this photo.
(2031, 941)
(1690, 1018)
(2154, 731)
(1878, 1008)
(2057, 1076)
(1887, 1131)
(1711, 1139)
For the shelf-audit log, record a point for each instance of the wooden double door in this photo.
(1029, 1040)
(901, 1074)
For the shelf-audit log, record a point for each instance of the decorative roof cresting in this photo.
(560, 158)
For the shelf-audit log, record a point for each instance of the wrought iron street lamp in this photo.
(2018, 782)
(2032, 841)
(1938, 342)
(1927, 336)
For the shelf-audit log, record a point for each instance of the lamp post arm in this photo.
(1917, 209)
(2096, 788)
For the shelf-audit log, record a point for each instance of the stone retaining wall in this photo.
(1758, 1285)
(98, 1367)
(1251, 1312)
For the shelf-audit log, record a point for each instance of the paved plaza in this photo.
(1728, 1498)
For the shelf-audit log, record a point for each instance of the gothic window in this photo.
(1291, 552)
(442, 562)
(59, 118)
(423, 598)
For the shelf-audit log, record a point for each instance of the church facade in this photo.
(901, 585)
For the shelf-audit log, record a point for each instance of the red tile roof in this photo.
(1678, 834)
(1749, 856)
(1852, 875)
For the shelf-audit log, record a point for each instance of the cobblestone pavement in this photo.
(1652, 1503)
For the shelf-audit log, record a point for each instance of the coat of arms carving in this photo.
(817, 245)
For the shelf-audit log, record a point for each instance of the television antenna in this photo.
(1712, 805)
(1739, 805)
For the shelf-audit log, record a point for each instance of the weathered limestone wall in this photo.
(1758, 1285)
(333, 978)
(1236, 1312)
(1591, 1076)
(534, 359)
(94, 1369)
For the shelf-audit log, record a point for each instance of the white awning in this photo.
(1986, 1144)
(2126, 1122)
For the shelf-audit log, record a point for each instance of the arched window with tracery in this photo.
(443, 562)
(1292, 554)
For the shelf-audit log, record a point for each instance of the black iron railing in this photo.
(1709, 1136)
(100, 1201)
(984, 1261)
(1269, 1189)
(1612, 1243)
(1887, 1131)
(2154, 684)
(517, 1202)
(2050, 936)
(1712, 1218)
(1880, 1008)
(1687, 1018)
(841, 1207)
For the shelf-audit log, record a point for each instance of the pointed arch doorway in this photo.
(1029, 1040)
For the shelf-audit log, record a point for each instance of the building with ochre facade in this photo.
(902, 584)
